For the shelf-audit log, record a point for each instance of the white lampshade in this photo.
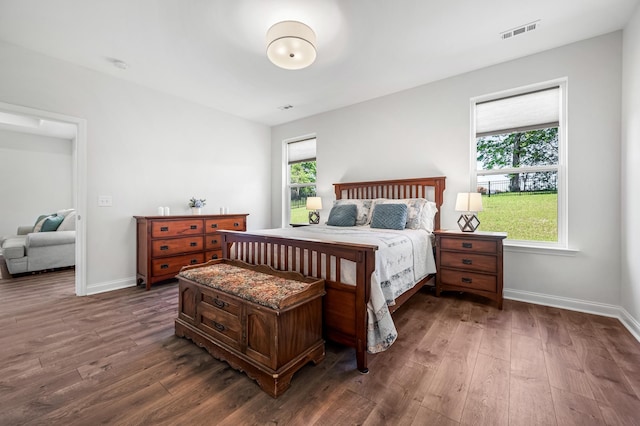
(291, 45)
(469, 202)
(314, 203)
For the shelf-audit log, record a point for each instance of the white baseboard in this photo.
(596, 308)
(111, 285)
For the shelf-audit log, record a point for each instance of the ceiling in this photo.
(213, 51)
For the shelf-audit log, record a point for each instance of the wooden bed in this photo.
(345, 305)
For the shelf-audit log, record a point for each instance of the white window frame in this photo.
(562, 83)
(286, 194)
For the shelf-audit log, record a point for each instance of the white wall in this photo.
(35, 178)
(145, 149)
(631, 168)
(425, 132)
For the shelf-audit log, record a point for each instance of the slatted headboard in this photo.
(431, 188)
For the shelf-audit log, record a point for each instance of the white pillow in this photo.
(64, 212)
(69, 222)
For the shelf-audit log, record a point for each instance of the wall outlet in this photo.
(105, 201)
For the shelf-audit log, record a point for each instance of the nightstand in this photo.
(470, 262)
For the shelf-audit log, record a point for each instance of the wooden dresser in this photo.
(470, 262)
(167, 243)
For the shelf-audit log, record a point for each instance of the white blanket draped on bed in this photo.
(402, 259)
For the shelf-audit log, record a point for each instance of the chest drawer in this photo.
(215, 300)
(233, 224)
(462, 244)
(223, 325)
(175, 228)
(473, 262)
(469, 280)
(172, 265)
(213, 241)
(176, 245)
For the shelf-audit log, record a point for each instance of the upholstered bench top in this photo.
(264, 289)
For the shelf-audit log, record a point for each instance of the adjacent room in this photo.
(415, 212)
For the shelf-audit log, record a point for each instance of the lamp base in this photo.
(468, 222)
(314, 218)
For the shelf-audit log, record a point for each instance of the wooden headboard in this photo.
(431, 188)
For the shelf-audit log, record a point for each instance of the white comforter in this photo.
(403, 258)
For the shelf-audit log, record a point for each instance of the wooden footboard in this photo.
(345, 305)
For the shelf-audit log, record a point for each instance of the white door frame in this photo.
(79, 179)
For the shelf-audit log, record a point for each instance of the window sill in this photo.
(523, 247)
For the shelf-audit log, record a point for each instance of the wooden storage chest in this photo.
(264, 322)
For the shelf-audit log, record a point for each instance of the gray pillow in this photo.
(389, 216)
(343, 215)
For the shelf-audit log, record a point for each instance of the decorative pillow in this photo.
(389, 216)
(343, 215)
(69, 222)
(414, 209)
(64, 212)
(40, 222)
(428, 216)
(51, 223)
(363, 208)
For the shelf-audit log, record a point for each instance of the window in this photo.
(301, 179)
(518, 149)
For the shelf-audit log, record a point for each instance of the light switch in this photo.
(105, 201)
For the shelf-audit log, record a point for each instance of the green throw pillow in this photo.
(51, 223)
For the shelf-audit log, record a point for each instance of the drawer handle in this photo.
(164, 228)
(218, 326)
(214, 241)
(467, 280)
(236, 224)
(164, 266)
(215, 256)
(214, 225)
(194, 261)
(467, 261)
(220, 303)
(467, 245)
(164, 247)
(193, 244)
(193, 227)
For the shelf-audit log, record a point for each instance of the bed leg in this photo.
(361, 359)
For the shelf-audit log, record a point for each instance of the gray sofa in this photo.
(30, 251)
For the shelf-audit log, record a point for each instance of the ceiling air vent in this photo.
(520, 29)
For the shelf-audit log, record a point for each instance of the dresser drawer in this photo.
(213, 255)
(215, 300)
(234, 224)
(176, 245)
(223, 326)
(172, 265)
(473, 262)
(213, 242)
(176, 228)
(462, 244)
(469, 280)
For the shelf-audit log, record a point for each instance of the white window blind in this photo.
(530, 111)
(302, 151)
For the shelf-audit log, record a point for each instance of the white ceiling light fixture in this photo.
(291, 45)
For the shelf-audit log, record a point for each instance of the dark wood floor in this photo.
(112, 358)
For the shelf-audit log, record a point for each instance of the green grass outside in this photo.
(523, 217)
(300, 215)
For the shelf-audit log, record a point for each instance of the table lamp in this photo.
(470, 203)
(313, 205)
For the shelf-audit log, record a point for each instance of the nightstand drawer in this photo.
(473, 262)
(464, 244)
(468, 279)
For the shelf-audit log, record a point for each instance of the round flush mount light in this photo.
(291, 45)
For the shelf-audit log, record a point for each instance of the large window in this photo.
(519, 148)
(301, 179)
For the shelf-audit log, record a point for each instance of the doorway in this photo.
(31, 120)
